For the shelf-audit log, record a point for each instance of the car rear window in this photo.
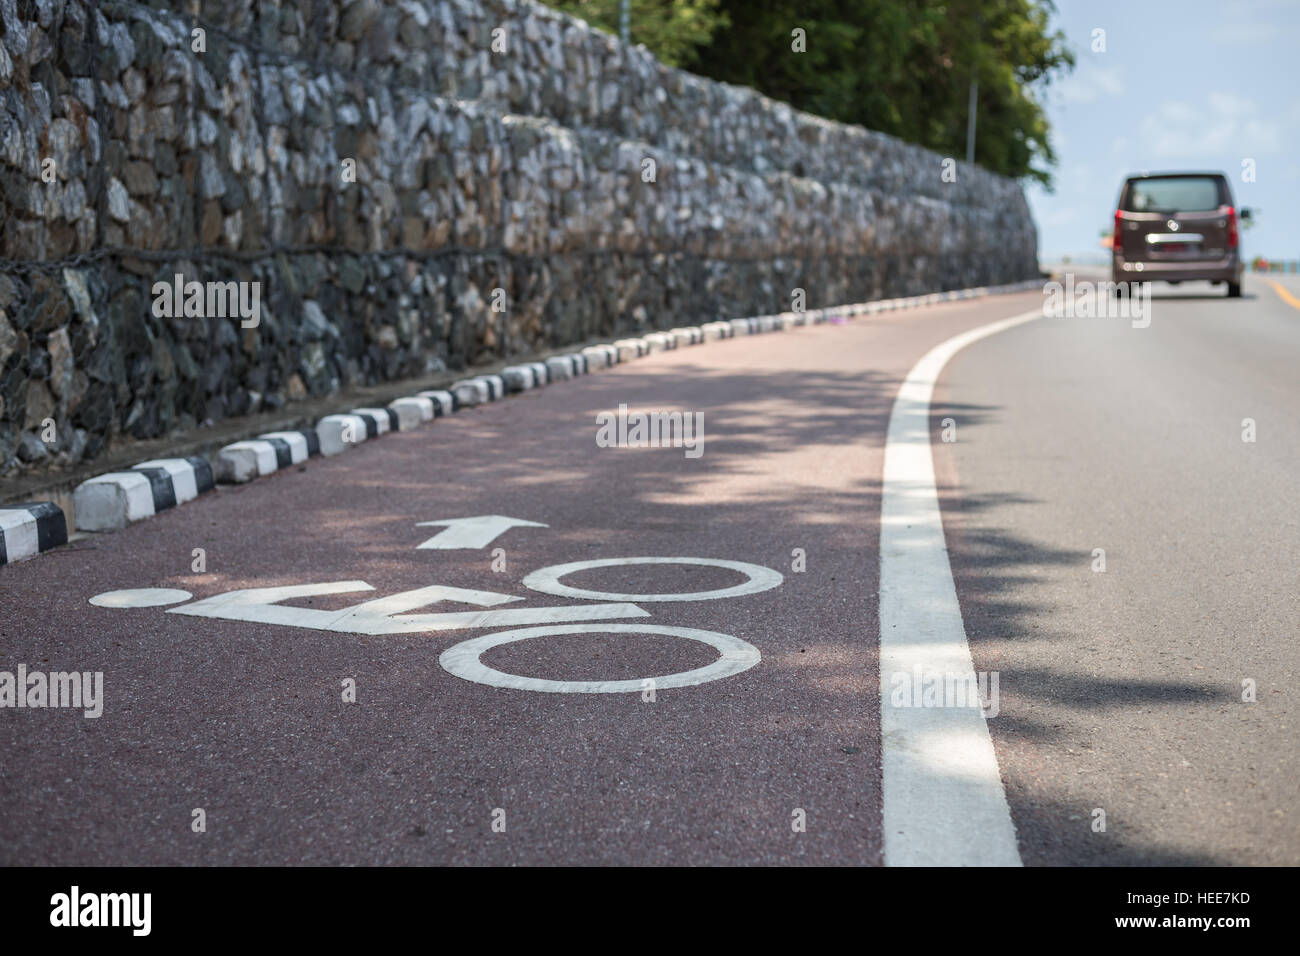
(1173, 194)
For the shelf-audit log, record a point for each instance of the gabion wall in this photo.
(413, 185)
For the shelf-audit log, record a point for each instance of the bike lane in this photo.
(245, 719)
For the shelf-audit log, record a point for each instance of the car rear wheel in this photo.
(1234, 290)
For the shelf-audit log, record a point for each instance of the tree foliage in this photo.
(671, 29)
(903, 67)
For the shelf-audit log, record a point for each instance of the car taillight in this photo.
(1232, 226)
(1116, 242)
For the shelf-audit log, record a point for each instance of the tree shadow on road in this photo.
(1061, 727)
(791, 463)
(808, 427)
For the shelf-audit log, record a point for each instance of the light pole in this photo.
(974, 90)
(970, 121)
(624, 20)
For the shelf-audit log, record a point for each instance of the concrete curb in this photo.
(30, 528)
(379, 421)
(338, 433)
(412, 412)
(518, 378)
(559, 368)
(292, 448)
(469, 392)
(237, 463)
(111, 501)
(444, 403)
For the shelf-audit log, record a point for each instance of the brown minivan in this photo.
(1173, 227)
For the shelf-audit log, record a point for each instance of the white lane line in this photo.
(943, 799)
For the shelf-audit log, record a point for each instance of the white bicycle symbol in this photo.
(389, 615)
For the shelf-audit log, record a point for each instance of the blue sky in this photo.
(1182, 84)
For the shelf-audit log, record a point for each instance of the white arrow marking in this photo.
(476, 532)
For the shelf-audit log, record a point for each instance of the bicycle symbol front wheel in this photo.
(464, 660)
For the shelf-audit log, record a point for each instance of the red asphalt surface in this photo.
(246, 720)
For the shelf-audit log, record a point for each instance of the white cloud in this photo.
(1225, 122)
(1090, 82)
(1250, 33)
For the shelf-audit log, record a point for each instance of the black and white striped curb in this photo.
(479, 390)
(112, 501)
(412, 412)
(30, 528)
(337, 433)
(444, 403)
(264, 455)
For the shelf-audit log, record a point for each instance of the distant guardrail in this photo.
(1275, 265)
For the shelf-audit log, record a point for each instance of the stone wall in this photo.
(501, 152)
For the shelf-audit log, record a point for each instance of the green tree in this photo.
(903, 67)
(671, 29)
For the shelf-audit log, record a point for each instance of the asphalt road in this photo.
(1119, 690)
(1122, 690)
